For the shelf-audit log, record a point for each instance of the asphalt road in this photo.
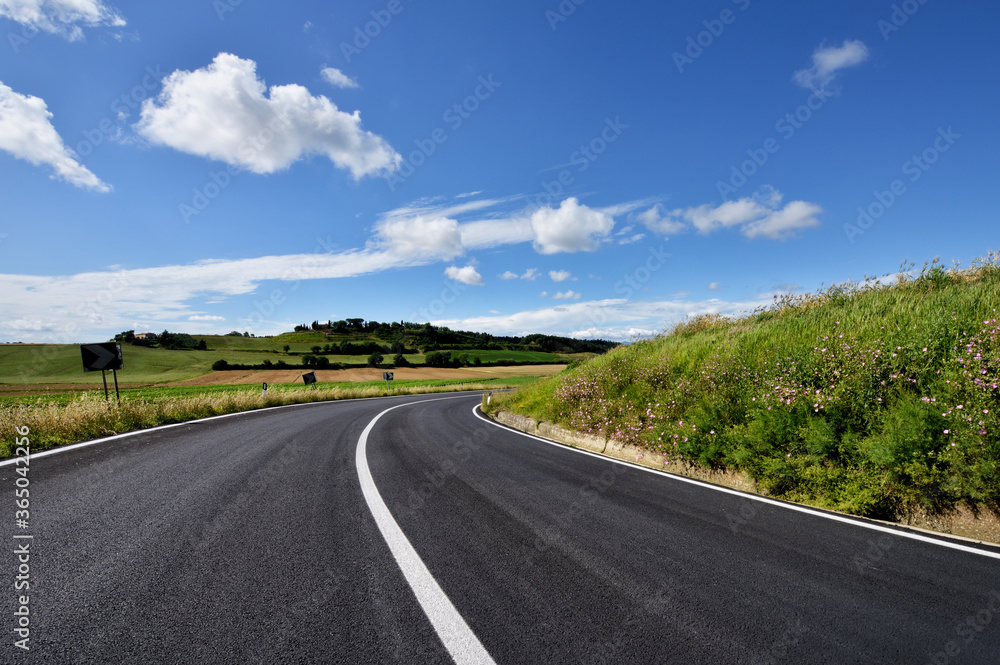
(249, 539)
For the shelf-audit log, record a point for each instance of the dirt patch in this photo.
(275, 376)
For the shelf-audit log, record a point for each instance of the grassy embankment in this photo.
(880, 401)
(62, 419)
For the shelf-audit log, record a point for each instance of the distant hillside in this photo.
(428, 337)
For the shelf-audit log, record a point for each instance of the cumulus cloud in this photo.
(337, 78)
(569, 228)
(567, 295)
(420, 236)
(225, 112)
(827, 61)
(560, 275)
(26, 132)
(467, 275)
(508, 275)
(61, 17)
(757, 216)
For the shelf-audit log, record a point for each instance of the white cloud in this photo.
(530, 275)
(781, 224)
(429, 237)
(827, 61)
(225, 112)
(27, 133)
(567, 295)
(656, 222)
(757, 216)
(467, 275)
(631, 239)
(337, 78)
(569, 228)
(61, 17)
(560, 275)
(543, 294)
(714, 286)
(205, 317)
(616, 319)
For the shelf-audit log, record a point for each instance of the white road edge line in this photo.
(754, 497)
(458, 638)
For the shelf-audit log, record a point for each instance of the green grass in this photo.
(879, 401)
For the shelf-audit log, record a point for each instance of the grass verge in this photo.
(874, 399)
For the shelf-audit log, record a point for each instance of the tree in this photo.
(202, 345)
(399, 360)
(126, 337)
(220, 366)
(317, 349)
(374, 359)
(437, 359)
(286, 348)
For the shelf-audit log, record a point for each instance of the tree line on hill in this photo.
(432, 359)
(429, 337)
(164, 340)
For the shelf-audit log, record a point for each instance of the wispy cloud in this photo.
(61, 17)
(337, 78)
(616, 319)
(827, 61)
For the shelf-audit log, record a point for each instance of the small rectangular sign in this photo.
(309, 378)
(97, 357)
(387, 376)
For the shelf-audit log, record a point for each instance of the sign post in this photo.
(264, 394)
(388, 377)
(102, 357)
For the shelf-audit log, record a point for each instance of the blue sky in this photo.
(581, 167)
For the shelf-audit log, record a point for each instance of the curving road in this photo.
(260, 538)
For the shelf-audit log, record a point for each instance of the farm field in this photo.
(27, 366)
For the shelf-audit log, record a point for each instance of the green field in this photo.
(34, 364)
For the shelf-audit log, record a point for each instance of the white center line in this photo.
(458, 638)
